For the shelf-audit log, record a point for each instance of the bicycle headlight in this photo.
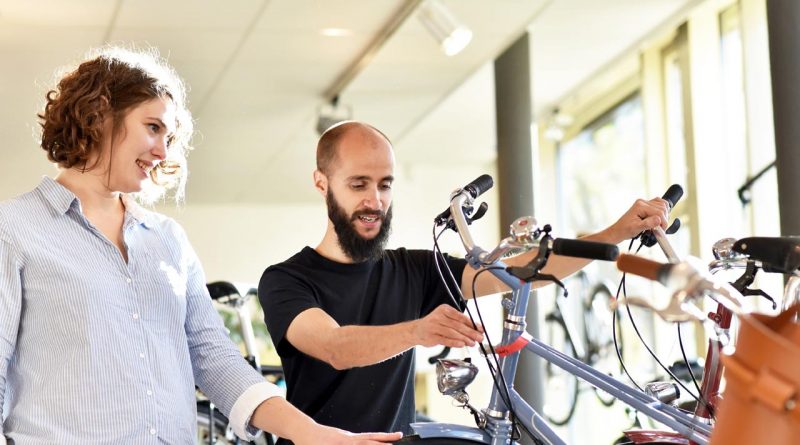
(453, 376)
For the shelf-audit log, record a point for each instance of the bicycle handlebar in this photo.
(672, 196)
(688, 280)
(778, 254)
(525, 232)
(585, 249)
(479, 186)
(643, 267)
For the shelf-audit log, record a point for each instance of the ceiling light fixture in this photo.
(332, 113)
(336, 32)
(440, 22)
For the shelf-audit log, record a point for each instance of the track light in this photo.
(451, 35)
(331, 114)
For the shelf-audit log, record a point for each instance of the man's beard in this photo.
(355, 246)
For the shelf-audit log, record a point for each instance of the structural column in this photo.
(515, 178)
(783, 19)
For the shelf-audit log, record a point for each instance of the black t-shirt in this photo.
(403, 285)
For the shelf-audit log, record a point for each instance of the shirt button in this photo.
(135, 316)
(128, 280)
(153, 431)
(141, 355)
(149, 393)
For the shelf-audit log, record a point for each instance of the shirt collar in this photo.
(140, 214)
(61, 199)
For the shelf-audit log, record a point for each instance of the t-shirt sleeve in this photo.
(435, 293)
(283, 297)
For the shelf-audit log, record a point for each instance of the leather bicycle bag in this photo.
(760, 404)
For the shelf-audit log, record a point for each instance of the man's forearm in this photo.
(354, 346)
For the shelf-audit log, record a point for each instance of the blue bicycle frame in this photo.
(498, 428)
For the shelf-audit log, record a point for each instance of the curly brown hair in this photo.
(110, 83)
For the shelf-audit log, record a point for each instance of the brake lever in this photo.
(649, 239)
(760, 293)
(478, 213)
(530, 271)
(445, 219)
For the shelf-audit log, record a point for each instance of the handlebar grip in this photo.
(643, 267)
(480, 185)
(778, 254)
(585, 249)
(673, 194)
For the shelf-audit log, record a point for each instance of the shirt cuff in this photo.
(246, 404)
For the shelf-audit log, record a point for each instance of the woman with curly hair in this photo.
(106, 325)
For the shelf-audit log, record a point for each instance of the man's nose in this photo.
(373, 200)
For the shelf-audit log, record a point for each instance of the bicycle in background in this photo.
(593, 343)
(212, 425)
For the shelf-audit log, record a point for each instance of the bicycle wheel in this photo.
(435, 441)
(561, 387)
(599, 325)
(223, 434)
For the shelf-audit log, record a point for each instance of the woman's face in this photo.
(139, 144)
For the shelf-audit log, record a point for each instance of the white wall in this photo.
(237, 242)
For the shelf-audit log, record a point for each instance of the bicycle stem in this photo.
(666, 247)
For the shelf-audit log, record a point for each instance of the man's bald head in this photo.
(329, 142)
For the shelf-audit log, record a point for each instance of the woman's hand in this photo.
(325, 435)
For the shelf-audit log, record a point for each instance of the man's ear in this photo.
(321, 182)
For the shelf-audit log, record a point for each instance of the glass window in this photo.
(601, 169)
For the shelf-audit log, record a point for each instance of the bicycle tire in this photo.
(203, 430)
(221, 433)
(561, 387)
(597, 329)
(435, 441)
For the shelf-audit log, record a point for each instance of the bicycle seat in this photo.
(222, 289)
(778, 254)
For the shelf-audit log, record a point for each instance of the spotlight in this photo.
(443, 26)
(331, 114)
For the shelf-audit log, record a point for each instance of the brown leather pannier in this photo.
(760, 402)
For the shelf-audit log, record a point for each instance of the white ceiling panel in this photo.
(57, 13)
(257, 71)
(189, 16)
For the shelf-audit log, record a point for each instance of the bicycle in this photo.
(708, 394)
(212, 425)
(508, 411)
(690, 283)
(594, 345)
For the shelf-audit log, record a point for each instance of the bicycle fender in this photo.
(428, 430)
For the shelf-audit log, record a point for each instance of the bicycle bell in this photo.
(723, 249)
(525, 230)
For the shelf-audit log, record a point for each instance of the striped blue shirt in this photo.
(94, 350)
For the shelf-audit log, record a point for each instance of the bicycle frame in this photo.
(498, 428)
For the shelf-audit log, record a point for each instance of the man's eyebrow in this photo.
(389, 178)
(358, 178)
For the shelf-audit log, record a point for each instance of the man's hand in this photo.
(446, 326)
(643, 215)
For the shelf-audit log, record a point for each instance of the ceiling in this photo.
(260, 71)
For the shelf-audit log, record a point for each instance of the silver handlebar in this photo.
(523, 233)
